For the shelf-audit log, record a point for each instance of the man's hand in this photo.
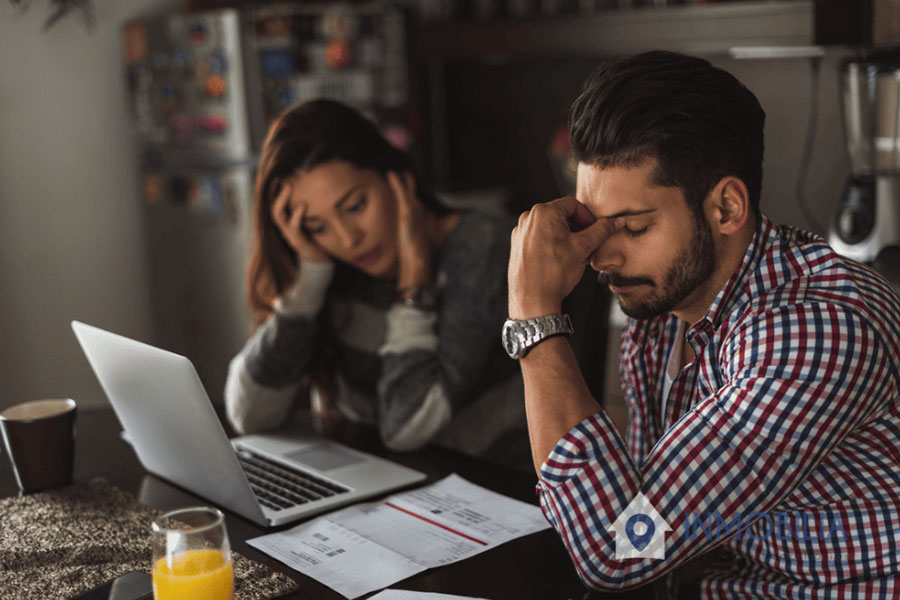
(549, 249)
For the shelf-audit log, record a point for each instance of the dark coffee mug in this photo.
(40, 440)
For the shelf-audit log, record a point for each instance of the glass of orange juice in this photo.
(192, 556)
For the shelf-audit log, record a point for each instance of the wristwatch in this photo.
(519, 337)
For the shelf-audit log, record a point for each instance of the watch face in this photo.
(510, 339)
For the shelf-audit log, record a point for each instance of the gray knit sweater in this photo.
(417, 375)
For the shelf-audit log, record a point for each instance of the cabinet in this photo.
(691, 28)
(494, 94)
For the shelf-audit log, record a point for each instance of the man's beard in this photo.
(685, 275)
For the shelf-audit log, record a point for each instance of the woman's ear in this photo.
(729, 206)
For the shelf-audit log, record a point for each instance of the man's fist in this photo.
(549, 249)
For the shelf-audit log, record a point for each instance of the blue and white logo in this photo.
(640, 531)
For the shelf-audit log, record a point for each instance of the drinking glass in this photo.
(192, 556)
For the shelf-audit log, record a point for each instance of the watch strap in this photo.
(530, 332)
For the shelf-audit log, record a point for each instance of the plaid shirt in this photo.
(780, 442)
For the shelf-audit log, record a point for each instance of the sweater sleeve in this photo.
(264, 378)
(434, 360)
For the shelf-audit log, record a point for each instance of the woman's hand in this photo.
(413, 243)
(290, 224)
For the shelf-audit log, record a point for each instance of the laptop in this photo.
(271, 479)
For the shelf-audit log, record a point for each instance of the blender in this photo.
(866, 222)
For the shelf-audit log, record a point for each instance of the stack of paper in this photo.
(370, 546)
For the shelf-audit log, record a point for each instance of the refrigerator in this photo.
(201, 89)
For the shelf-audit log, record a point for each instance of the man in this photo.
(761, 369)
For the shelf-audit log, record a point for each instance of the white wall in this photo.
(784, 88)
(71, 243)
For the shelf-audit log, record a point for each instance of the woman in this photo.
(371, 293)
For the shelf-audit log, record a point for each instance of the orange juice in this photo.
(194, 575)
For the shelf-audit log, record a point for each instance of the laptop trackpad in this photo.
(324, 457)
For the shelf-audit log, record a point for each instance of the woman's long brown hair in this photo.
(302, 138)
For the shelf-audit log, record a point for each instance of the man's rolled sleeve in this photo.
(588, 478)
(591, 439)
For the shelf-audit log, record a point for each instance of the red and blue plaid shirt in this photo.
(780, 441)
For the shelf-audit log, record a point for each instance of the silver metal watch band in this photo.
(521, 336)
(540, 328)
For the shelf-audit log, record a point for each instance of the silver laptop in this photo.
(270, 479)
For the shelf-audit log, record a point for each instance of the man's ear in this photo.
(728, 206)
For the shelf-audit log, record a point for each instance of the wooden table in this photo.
(533, 567)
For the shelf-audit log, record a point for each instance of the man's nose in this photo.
(607, 257)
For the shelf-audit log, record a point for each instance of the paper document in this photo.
(370, 546)
(407, 595)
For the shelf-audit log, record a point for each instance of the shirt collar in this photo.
(736, 291)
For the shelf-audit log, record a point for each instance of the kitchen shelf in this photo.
(700, 29)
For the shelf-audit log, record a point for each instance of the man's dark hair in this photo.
(699, 122)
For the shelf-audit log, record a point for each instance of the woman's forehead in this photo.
(326, 185)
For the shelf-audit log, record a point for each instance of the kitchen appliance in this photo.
(866, 219)
(202, 88)
(195, 126)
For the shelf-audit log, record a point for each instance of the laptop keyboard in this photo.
(278, 487)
